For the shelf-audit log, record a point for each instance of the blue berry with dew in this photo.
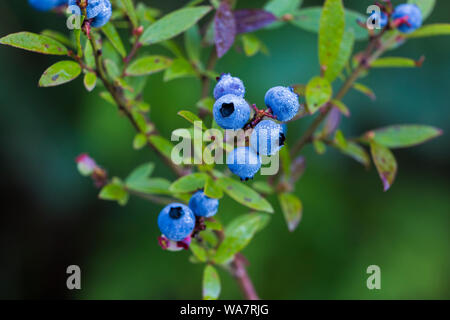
(267, 138)
(283, 102)
(231, 112)
(229, 85)
(98, 12)
(407, 17)
(202, 205)
(46, 5)
(244, 162)
(176, 221)
(383, 19)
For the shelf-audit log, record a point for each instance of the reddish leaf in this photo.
(248, 20)
(225, 28)
(332, 122)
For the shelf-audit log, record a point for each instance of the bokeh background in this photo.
(51, 217)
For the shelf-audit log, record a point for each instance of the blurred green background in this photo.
(51, 216)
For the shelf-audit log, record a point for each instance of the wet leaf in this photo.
(292, 209)
(189, 183)
(402, 136)
(180, 68)
(345, 51)
(61, 38)
(355, 151)
(211, 283)
(318, 92)
(385, 163)
(34, 42)
(60, 73)
(148, 65)
(225, 28)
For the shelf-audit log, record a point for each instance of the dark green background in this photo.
(51, 217)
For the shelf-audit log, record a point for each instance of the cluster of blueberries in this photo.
(98, 11)
(408, 15)
(231, 111)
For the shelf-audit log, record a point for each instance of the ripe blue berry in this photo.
(98, 11)
(202, 205)
(176, 221)
(267, 138)
(229, 85)
(231, 112)
(383, 19)
(243, 162)
(283, 102)
(414, 17)
(46, 5)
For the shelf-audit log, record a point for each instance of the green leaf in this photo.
(206, 103)
(385, 162)
(212, 190)
(189, 183)
(161, 144)
(89, 55)
(148, 65)
(346, 49)
(213, 225)
(364, 90)
(61, 38)
(402, 136)
(319, 146)
(111, 68)
(331, 31)
(140, 173)
(108, 97)
(192, 42)
(211, 283)
(341, 107)
(198, 251)
(139, 141)
(35, 43)
(114, 192)
(173, 24)
(394, 62)
(151, 186)
(263, 187)
(292, 209)
(318, 92)
(244, 195)
(340, 140)
(282, 7)
(90, 80)
(180, 68)
(309, 20)
(60, 73)
(431, 30)
(425, 6)
(111, 33)
(354, 151)
(131, 12)
(192, 118)
(251, 44)
(238, 235)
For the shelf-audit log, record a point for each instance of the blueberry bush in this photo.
(190, 219)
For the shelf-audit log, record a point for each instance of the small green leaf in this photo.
(395, 62)
(211, 283)
(198, 251)
(148, 65)
(192, 118)
(251, 44)
(345, 51)
(263, 187)
(111, 33)
(61, 38)
(189, 183)
(139, 141)
(385, 162)
(292, 209)
(151, 186)
(131, 12)
(89, 55)
(180, 68)
(60, 73)
(431, 30)
(402, 136)
(115, 192)
(319, 146)
(206, 103)
(339, 139)
(34, 42)
(140, 173)
(212, 190)
(331, 32)
(108, 97)
(286, 161)
(238, 235)
(364, 90)
(282, 7)
(425, 6)
(341, 107)
(213, 225)
(354, 151)
(112, 69)
(161, 144)
(173, 24)
(244, 195)
(318, 92)
(192, 42)
(90, 80)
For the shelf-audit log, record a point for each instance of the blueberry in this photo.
(176, 221)
(243, 162)
(99, 11)
(414, 17)
(383, 19)
(267, 138)
(46, 5)
(229, 85)
(202, 205)
(283, 102)
(231, 112)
